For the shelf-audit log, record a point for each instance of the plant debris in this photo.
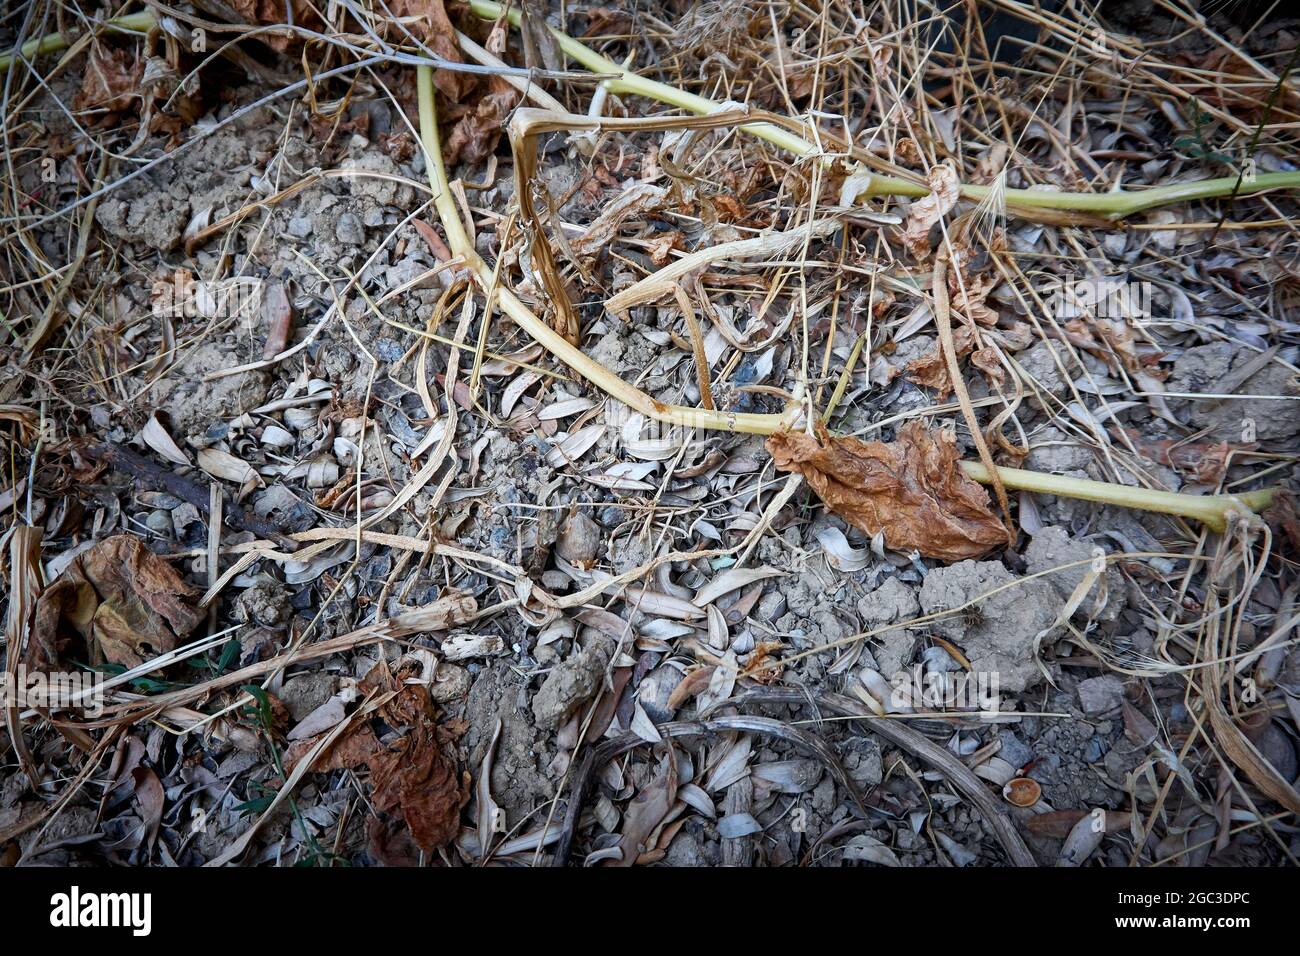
(909, 490)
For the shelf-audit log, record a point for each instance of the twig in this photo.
(164, 479)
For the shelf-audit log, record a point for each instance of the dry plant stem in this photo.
(1210, 510)
(544, 335)
(1114, 205)
(53, 42)
(943, 322)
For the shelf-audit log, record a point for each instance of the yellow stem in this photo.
(1115, 205)
(547, 337)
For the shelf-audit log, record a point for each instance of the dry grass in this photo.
(825, 122)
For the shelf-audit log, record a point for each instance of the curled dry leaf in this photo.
(928, 210)
(911, 489)
(267, 12)
(420, 776)
(433, 27)
(475, 134)
(111, 81)
(125, 602)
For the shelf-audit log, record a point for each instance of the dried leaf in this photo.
(418, 775)
(111, 81)
(434, 28)
(272, 11)
(1203, 462)
(928, 210)
(157, 438)
(222, 464)
(474, 136)
(647, 810)
(124, 601)
(911, 489)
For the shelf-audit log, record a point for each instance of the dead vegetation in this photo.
(463, 435)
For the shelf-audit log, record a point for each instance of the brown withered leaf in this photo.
(912, 489)
(111, 81)
(418, 775)
(353, 749)
(1204, 462)
(929, 209)
(433, 28)
(968, 294)
(474, 136)
(1283, 517)
(930, 370)
(265, 12)
(125, 602)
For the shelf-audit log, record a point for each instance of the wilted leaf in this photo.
(419, 776)
(867, 849)
(124, 601)
(928, 210)
(111, 81)
(911, 489)
(647, 810)
(433, 28)
(354, 748)
(222, 464)
(1204, 462)
(474, 136)
(273, 11)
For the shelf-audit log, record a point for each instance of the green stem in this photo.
(53, 42)
(1115, 205)
(1211, 510)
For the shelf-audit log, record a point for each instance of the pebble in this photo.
(160, 522)
(389, 350)
(1014, 750)
(300, 227)
(349, 229)
(1095, 750)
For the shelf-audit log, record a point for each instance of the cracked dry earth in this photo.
(431, 691)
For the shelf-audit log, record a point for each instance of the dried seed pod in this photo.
(1022, 792)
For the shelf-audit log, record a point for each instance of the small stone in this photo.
(1014, 750)
(160, 522)
(389, 350)
(1100, 694)
(771, 606)
(184, 515)
(450, 683)
(349, 229)
(1000, 618)
(304, 693)
(1040, 365)
(571, 684)
(580, 539)
(892, 601)
(1095, 750)
(299, 227)
(1052, 547)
